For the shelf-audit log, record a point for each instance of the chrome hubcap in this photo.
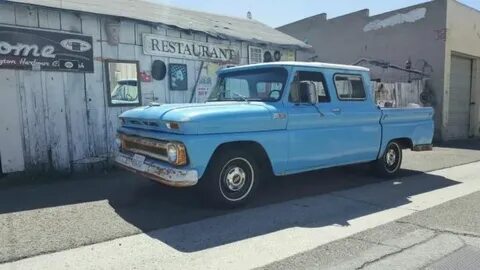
(391, 157)
(236, 178)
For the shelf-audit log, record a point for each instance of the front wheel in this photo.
(389, 164)
(231, 179)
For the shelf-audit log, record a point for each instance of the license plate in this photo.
(137, 161)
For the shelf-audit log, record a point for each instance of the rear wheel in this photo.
(231, 179)
(389, 164)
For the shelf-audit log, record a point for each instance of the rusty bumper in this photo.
(423, 147)
(158, 171)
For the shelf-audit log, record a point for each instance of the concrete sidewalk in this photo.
(443, 237)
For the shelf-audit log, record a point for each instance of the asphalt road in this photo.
(39, 216)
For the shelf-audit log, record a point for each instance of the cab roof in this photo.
(300, 64)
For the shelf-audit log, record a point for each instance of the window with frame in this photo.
(316, 80)
(123, 83)
(349, 87)
(255, 55)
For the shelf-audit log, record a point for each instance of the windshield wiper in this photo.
(241, 96)
(218, 98)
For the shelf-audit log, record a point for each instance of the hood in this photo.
(206, 118)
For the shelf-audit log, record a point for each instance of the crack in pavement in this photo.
(439, 231)
(436, 232)
(374, 242)
(367, 263)
(453, 251)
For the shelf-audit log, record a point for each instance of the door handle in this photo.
(337, 110)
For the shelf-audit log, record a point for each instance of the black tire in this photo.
(231, 179)
(390, 163)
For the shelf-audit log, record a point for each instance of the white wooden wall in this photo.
(61, 121)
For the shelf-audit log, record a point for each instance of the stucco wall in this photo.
(463, 38)
(414, 33)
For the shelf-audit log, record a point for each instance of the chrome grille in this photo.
(147, 147)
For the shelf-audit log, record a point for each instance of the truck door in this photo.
(358, 135)
(341, 128)
(311, 126)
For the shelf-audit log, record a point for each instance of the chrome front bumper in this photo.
(157, 171)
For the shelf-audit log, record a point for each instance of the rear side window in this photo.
(349, 87)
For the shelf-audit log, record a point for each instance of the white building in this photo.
(69, 68)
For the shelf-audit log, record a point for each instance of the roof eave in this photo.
(300, 45)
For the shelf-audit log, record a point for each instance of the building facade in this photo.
(68, 69)
(438, 41)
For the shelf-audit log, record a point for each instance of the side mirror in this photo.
(308, 93)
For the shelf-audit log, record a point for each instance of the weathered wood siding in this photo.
(399, 94)
(61, 121)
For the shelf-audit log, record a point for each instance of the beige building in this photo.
(461, 106)
(439, 39)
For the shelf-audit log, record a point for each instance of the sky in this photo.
(280, 12)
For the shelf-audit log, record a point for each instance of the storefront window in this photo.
(123, 83)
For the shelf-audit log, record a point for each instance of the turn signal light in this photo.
(172, 125)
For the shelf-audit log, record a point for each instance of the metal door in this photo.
(460, 98)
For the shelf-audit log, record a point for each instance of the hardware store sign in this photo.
(181, 48)
(32, 49)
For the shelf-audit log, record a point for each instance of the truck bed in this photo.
(415, 124)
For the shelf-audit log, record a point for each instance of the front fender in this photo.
(200, 148)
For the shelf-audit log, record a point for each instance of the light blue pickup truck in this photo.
(278, 118)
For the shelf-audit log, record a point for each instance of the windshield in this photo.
(255, 85)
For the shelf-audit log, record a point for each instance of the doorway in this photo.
(460, 98)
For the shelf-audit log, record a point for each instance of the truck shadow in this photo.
(289, 202)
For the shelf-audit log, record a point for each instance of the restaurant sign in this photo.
(32, 49)
(182, 48)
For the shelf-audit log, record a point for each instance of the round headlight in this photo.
(172, 153)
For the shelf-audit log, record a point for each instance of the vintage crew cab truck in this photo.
(277, 118)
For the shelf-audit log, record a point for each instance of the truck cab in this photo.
(278, 118)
